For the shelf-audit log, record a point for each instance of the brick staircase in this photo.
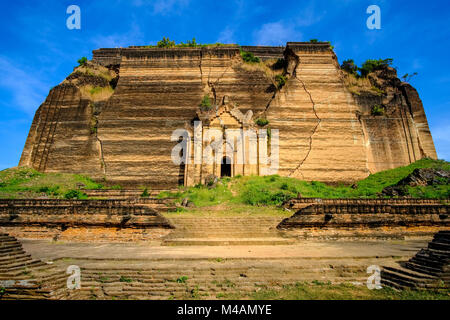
(203, 278)
(226, 231)
(120, 193)
(428, 269)
(22, 277)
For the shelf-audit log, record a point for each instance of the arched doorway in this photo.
(225, 168)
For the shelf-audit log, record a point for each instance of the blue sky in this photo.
(38, 51)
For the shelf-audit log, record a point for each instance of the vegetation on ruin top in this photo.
(273, 69)
(274, 190)
(317, 41)
(367, 67)
(96, 82)
(29, 183)
(82, 61)
(167, 43)
(237, 192)
(249, 57)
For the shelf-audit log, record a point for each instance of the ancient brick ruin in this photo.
(116, 118)
(326, 133)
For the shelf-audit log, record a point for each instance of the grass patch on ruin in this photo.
(271, 69)
(29, 183)
(96, 93)
(317, 290)
(167, 43)
(239, 194)
(95, 70)
(359, 86)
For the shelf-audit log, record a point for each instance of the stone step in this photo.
(8, 247)
(438, 254)
(439, 246)
(221, 235)
(4, 263)
(13, 256)
(399, 278)
(12, 252)
(428, 261)
(4, 243)
(393, 284)
(445, 240)
(228, 223)
(411, 265)
(36, 266)
(410, 273)
(433, 255)
(226, 241)
(20, 265)
(4, 236)
(220, 226)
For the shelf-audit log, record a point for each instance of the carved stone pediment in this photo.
(227, 114)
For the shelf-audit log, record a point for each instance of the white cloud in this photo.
(166, 6)
(308, 17)
(276, 33)
(132, 37)
(162, 7)
(417, 64)
(226, 35)
(27, 89)
(441, 137)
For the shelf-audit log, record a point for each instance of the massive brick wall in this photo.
(79, 213)
(368, 215)
(317, 119)
(326, 133)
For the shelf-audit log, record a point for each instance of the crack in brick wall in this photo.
(315, 113)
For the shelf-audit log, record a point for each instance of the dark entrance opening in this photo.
(182, 164)
(225, 168)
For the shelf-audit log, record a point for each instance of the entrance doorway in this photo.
(225, 168)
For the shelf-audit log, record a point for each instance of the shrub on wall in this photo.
(249, 57)
(280, 80)
(262, 122)
(82, 61)
(145, 193)
(350, 66)
(75, 194)
(165, 43)
(279, 64)
(377, 110)
(206, 104)
(372, 65)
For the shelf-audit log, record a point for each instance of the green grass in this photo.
(280, 80)
(239, 192)
(125, 279)
(167, 43)
(206, 103)
(95, 90)
(182, 279)
(249, 57)
(262, 122)
(29, 183)
(274, 190)
(317, 290)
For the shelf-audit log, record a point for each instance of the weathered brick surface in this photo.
(368, 215)
(326, 133)
(429, 268)
(80, 213)
(22, 277)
